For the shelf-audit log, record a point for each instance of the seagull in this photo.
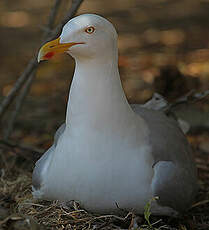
(108, 156)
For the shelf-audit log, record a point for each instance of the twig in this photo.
(158, 102)
(202, 202)
(20, 146)
(17, 86)
(114, 216)
(191, 97)
(24, 92)
(72, 11)
(18, 105)
(33, 63)
(52, 17)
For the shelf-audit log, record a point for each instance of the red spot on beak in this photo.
(49, 55)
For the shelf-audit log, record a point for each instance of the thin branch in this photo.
(19, 102)
(33, 63)
(191, 97)
(52, 16)
(17, 86)
(72, 11)
(158, 102)
(24, 92)
(20, 146)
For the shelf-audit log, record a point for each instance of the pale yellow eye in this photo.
(90, 30)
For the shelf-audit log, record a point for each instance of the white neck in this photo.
(96, 95)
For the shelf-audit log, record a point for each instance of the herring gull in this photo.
(107, 152)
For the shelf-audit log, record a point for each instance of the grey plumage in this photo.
(175, 175)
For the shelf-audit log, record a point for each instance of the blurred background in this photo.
(163, 47)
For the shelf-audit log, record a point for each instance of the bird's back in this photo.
(175, 175)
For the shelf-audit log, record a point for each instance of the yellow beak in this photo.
(54, 47)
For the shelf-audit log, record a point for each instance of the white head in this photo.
(85, 36)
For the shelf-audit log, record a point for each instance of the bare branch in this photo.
(24, 92)
(158, 102)
(33, 63)
(191, 97)
(20, 146)
(52, 16)
(72, 11)
(19, 102)
(17, 86)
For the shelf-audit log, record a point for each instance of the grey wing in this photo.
(43, 163)
(175, 186)
(158, 103)
(175, 176)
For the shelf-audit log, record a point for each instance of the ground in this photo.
(163, 47)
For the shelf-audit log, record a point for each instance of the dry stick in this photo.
(33, 63)
(25, 151)
(18, 105)
(24, 92)
(191, 97)
(52, 17)
(72, 11)
(27, 85)
(18, 84)
(22, 147)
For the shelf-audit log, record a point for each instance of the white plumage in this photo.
(106, 153)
